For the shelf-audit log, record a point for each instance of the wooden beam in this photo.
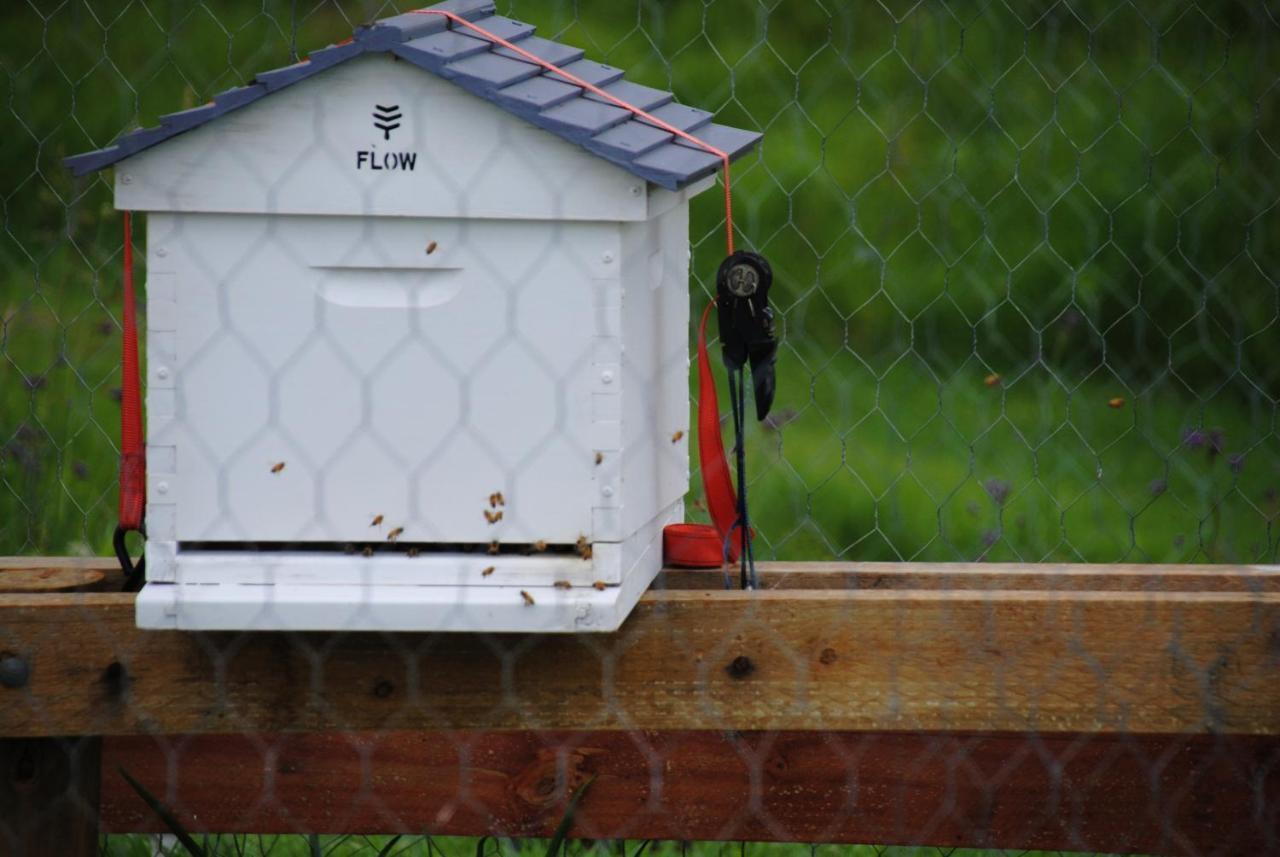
(1166, 794)
(983, 577)
(963, 576)
(49, 796)
(1145, 661)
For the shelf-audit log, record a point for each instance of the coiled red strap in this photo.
(704, 545)
(133, 451)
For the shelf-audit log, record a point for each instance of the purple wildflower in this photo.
(1236, 462)
(997, 489)
(1158, 487)
(1194, 438)
(990, 537)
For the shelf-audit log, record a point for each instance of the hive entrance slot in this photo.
(376, 547)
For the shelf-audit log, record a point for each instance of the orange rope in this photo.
(595, 90)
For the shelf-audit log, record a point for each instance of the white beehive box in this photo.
(421, 273)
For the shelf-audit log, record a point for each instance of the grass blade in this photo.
(165, 815)
(386, 849)
(562, 829)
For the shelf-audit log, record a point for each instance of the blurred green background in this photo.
(1025, 257)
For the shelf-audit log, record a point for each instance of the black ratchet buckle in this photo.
(746, 322)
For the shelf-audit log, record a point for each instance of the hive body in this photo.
(493, 311)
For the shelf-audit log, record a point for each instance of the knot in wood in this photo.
(115, 678)
(740, 667)
(383, 689)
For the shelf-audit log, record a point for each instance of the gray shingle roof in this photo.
(498, 75)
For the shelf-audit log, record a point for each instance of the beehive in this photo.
(417, 320)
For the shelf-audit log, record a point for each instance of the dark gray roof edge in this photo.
(500, 77)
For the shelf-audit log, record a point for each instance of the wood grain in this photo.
(1166, 794)
(1047, 661)
(48, 794)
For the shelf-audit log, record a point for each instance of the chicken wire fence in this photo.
(1023, 259)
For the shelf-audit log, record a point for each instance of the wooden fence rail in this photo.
(1074, 707)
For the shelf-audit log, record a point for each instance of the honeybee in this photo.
(601, 585)
(431, 247)
(1117, 402)
(562, 584)
(412, 552)
(675, 438)
(584, 547)
(487, 571)
(492, 517)
(599, 458)
(376, 522)
(539, 546)
(368, 550)
(528, 599)
(494, 548)
(277, 467)
(502, 501)
(493, 500)
(395, 534)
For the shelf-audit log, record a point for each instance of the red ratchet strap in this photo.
(694, 545)
(133, 454)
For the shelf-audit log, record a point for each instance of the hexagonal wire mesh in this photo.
(1024, 258)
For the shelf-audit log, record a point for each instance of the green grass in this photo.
(1080, 201)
